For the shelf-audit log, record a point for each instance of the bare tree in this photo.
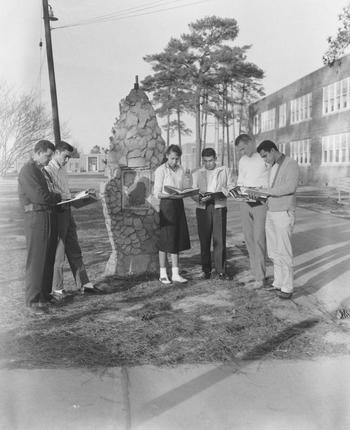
(23, 121)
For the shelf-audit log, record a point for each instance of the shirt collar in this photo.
(168, 167)
(280, 160)
(55, 163)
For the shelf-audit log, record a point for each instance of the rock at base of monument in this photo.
(131, 265)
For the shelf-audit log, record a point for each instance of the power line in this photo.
(116, 17)
(128, 10)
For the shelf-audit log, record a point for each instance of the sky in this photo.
(96, 64)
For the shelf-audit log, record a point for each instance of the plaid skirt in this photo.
(174, 236)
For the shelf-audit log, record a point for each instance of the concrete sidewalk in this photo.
(261, 395)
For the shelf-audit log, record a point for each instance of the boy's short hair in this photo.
(266, 145)
(43, 146)
(209, 152)
(64, 146)
(244, 138)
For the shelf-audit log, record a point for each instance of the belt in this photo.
(36, 207)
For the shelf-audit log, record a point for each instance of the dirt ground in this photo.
(139, 321)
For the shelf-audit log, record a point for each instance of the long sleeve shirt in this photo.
(212, 181)
(33, 188)
(252, 171)
(164, 175)
(59, 177)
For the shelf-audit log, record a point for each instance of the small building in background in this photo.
(85, 163)
(90, 163)
(310, 121)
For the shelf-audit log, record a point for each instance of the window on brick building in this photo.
(336, 149)
(300, 109)
(282, 147)
(282, 115)
(268, 120)
(256, 128)
(300, 151)
(336, 97)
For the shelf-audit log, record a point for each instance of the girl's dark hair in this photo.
(173, 148)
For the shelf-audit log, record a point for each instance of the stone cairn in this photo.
(136, 149)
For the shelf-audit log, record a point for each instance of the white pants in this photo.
(279, 227)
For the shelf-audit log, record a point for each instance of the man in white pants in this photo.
(280, 216)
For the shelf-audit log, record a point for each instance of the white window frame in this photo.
(336, 150)
(301, 108)
(282, 147)
(256, 128)
(282, 115)
(336, 97)
(300, 150)
(268, 120)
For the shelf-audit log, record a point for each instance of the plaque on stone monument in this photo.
(136, 185)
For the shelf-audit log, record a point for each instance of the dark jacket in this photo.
(32, 187)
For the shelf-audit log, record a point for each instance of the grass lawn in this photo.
(140, 321)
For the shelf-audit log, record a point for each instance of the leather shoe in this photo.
(93, 290)
(284, 295)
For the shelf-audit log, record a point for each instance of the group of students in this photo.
(267, 227)
(50, 230)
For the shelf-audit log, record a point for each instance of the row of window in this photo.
(335, 150)
(336, 98)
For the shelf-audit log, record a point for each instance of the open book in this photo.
(187, 192)
(207, 196)
(81, 199)
(242, 194)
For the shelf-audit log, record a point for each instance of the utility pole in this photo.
(55, 118)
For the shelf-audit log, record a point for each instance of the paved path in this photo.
(262, 395)
(247, 395)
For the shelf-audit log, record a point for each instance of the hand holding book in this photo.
(177, 193)
(81, 199)
(248, 194)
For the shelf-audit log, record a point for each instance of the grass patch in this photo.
(139, 321)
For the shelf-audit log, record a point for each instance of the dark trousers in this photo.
(40, 230)
(212, 223)
(68, 245)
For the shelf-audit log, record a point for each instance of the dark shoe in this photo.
(270, 287)
(205, 275)
(285, 296)
(93, 290)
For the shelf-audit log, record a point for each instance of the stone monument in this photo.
(136, 149)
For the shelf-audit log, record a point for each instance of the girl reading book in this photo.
(174, 236)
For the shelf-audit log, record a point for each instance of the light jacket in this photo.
(284, 187)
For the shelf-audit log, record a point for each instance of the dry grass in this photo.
(139, 321)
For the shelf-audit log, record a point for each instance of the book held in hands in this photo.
(177, 193)
(243, 194)
(208, 196)
(83, 198)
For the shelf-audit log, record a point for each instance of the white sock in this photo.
(163, 273)
(175, 272)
